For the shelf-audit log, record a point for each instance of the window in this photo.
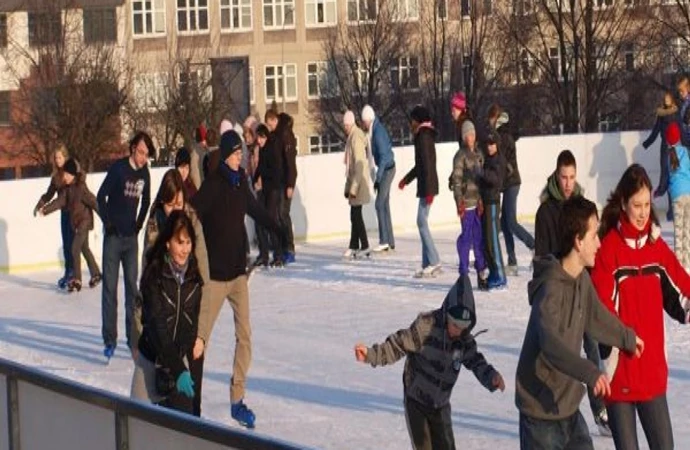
(488, 7)
(324, 144)
(279, 81)
(100, 25)
(406, 9)
(604, 4)
(401, 136)
(279, 13)
(151, 90)
(405, 74)
(555, 60)
(678, 59)
(192, 16)
(44, 28)
(148, 17)
(251, 85)
(236, 15)
(5, 117)
(465, 8)
(321, 12)
(604, 58)
(527, 69)
(525, 7)
(361, 10)
(195, 84)
(629, 55)
(360, 72)
(3, 30)
(558, 5)
(442, 9)
(321, 80)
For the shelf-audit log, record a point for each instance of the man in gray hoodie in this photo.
(550, 373)
(437, 344)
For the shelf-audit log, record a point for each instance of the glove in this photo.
(347, 196)
(376, 187)
(185, 385)
(401, 185)
(461, 209)
(646, 145)
(480, 208)
(429, 200)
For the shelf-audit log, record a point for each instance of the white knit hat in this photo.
(368, 114)
(349, 118)
(225, 125)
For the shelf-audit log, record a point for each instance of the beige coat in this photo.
(357, 171)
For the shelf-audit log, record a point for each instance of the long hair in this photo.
(633, 180)
(65, 153)
(674, 162)
(177, 222)
(171, 184)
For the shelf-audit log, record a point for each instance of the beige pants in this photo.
(144, 381)
(681, 230)
(237, 292)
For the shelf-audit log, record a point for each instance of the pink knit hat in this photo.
(459, 101)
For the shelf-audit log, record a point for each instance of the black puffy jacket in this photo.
(170, 314)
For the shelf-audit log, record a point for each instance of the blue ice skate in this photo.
(243, 415)
(108, 352)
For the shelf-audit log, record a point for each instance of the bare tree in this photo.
(70, 91)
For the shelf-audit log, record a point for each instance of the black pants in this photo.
(358, 232)
(268, 240)
(492, 247)
(429, 428)
(655, 420)
(286, 223)
(591, 347)
(196, 370)
(80, 246)
(570, 433)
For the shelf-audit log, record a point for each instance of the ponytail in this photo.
(673, 158)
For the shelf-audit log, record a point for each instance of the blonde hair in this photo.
(65, 153)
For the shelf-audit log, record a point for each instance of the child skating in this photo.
(679, 189)
(436, 345)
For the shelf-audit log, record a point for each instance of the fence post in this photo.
(121, 431)
(13, 413)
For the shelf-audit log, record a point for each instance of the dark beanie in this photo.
(461, 316)
(182, 158)
(71, 167)
(420, 114)
(230, 142)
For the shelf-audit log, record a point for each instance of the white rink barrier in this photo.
(319, 209)
(41, 411)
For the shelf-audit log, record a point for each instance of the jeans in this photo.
(592, 351)
(570, 433)
(358, 232)
(118, 250)
(655, 420)
(510, 225)
(429, 253)
(286, 223)
(80, 246)
(662, 189)
(383, 208)
(269, 239)
(67, 238)
(492, 248)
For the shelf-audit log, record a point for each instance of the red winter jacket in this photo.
(638, 277)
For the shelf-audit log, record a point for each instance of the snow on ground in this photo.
(304, 383)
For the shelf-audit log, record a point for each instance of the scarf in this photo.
(553, 190)
(232, 176)
(177, 270)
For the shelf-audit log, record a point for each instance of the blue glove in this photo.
(185, 385)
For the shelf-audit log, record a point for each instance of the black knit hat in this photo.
(460, 316)
(183, 158)
(71, 167)
(420, 114)
(230, 142)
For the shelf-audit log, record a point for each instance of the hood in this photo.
(460, 295)
(546, 268)
(428, 126)
(551, 190)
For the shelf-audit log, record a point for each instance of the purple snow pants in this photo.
(471, 237)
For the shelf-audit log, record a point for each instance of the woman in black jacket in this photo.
(171, 291)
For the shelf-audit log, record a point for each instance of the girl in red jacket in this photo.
(638, 277)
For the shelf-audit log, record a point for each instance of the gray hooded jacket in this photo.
(551, 371)
(433, 358)
(463, 181)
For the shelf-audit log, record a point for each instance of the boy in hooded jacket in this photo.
(551, 372)
(436, 345)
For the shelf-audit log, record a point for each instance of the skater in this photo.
(382, 150)
(424, 171)
(490, 186)
(199, 155)
(287, 144)
(666, 114)
(171, 197)
(221, 204)
(463, 181)
(561, 186)
(171, 292)
(356, 186)
(679, 190)
(460, 113)
(550, 372)
(127, 186)
(435, 346)
(637, 277)
(60, 156)
(80, 204)
(499, 122)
